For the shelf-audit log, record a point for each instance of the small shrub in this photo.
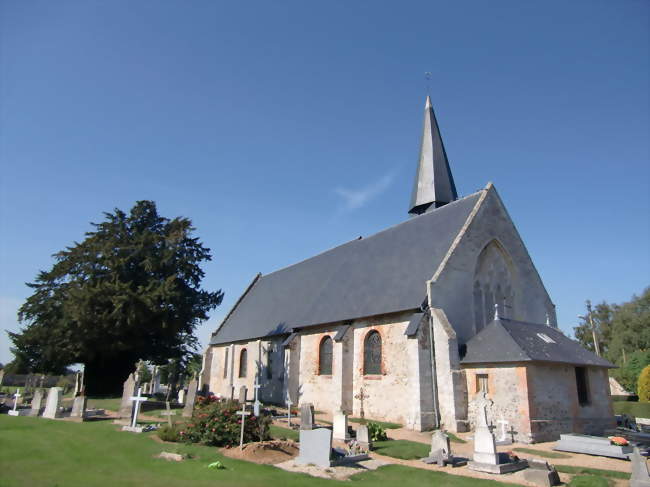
(169, 433)
(643, 386)
(215, 422)
(376, 432)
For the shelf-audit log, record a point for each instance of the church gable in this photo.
(489, 266)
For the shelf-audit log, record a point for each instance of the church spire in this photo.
(434, 185)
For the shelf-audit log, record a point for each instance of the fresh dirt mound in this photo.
(265, 452)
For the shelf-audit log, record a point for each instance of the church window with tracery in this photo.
(325, 356)
(243, 363)
(372, 353)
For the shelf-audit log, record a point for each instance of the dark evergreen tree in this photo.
(131, 290)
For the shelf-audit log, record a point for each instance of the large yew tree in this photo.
(131, 290)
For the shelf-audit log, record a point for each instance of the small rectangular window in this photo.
(482, 383)
(582, 385)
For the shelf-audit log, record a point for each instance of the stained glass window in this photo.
(372, 354)
(325, 357)
(243, 362)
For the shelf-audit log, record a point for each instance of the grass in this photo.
(588, 481)
(455, 439)
(612, 474)
(48, 453)
(542, 453)
(404, 449)
(383, 424)
(278, 432)
(632, 408)
(110, 403)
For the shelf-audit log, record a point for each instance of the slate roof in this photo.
(506, 340)
(383, 273)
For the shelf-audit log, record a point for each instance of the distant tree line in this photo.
(623, 336)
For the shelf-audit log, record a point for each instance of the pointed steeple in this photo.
(434, 185)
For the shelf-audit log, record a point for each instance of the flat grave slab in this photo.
(592, 445)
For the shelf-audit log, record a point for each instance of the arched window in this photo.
(243, 362)
(325, 356)
(372, 353)
(225, 364)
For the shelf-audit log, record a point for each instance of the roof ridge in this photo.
(412, 219)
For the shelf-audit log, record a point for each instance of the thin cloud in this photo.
(354, 199)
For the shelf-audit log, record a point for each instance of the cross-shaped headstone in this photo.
(169, 413)
(289, 403)
(243, 413)
(361, 396)
(16, 396)
(256, 404)
(136, 409)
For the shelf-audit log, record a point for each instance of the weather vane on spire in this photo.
(427, 76)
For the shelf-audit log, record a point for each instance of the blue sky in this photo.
(285, 128)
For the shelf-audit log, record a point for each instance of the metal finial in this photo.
(427, 76)
(496, 311)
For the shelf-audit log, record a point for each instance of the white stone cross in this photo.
(243, 413)
(289, 403)
(16, 396)
(137, 399)
(256, 404)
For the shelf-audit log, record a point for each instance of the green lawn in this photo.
(613, 474)
(110, 403)
(383, 424)
(404, 449)
(278, 432)
(47, 453)
(542, 453)
(588, 481)
(632, 408)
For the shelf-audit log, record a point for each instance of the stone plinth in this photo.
(340, 426)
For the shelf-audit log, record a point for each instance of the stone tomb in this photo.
(307, 416)
(340, 426)
(640, 476)
(79, 408)
(52, 404)
(592, 445)
(486, 458)
(541, 473)
(37, 402)
(440, 452)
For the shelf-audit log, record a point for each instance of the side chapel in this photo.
(428, 316)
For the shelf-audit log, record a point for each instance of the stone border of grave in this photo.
(592, 445)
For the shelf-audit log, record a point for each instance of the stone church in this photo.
(427, 316)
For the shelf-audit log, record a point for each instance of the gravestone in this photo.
(134, 428)
(504, 438)
(257, 403)
(242, 394)
(315, 447)
(130, 387)
(307, 416)
(181, 396)
(440, 452)
(592, 445)
(14, 411)
(363, 437)
(155, 381)
(340, 426)
(37, 401)
(486, 458)
(541, 473)
(168, 412)
(79, 407)
(52, 404)
(191, 397)
(640, 476)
